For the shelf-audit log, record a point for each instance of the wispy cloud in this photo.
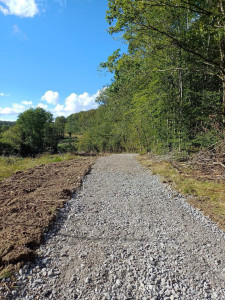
(18, 32)
(21, 8)
(27, 102)
(3, 94)
(62, 3)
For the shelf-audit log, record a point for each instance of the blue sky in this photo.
(49, 55)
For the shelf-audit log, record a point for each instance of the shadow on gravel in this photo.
(96, 239)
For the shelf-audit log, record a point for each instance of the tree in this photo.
(60, 123)
(11, 141)
(195, 27)
(167, 91)
(33, 124)
(4, 127)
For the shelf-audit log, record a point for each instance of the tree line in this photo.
(168, 89)
(36, 131)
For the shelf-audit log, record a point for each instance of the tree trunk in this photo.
(223, 108)
(221, 11)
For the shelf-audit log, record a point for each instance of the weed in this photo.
(53, 211)
(6, 273)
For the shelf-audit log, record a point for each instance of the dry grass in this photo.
(12, 164)
(208, 195)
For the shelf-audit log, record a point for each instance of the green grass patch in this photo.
(208, 195)
(6, 273)
(12, 164)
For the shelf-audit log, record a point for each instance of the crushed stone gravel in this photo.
(126, 235)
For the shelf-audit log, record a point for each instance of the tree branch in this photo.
(182, 45)
(191, 7)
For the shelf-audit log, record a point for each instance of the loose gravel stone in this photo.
(126, 235)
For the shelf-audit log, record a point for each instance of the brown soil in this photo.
(28, 204)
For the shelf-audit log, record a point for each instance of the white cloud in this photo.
(27, 102)
(14, 110)
(75, 103)
(18, 32)
(7, 111)
(21, 8)
(41, 105)
(3, 94)
(51, 97)
(59, 108)
(18, 107)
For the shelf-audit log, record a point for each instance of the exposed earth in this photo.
(28, 203)
(126, 235)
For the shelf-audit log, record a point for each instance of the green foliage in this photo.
(60, 123)
(11, 140)
(35, 127)
(78, 123)
(4, 125)
(33, 133)
(68, 145)
(207, 138)
(167, 91)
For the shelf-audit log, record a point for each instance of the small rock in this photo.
(118, 283)
(48, 293)
(88, 280)
(107, 296)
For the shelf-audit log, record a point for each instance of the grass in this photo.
(12, 164)
(6, 273)
(208, 195)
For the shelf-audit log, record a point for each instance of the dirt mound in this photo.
(28, 204)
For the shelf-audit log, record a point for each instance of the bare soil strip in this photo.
(28, 204)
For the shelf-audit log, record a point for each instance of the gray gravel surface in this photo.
(126, 235)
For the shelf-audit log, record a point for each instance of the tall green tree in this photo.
(196, 27)
(60, 123)
(168, 89)
(34, 124)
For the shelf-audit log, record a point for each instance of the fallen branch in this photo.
(219, 163)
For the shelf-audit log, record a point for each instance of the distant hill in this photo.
(9, 123)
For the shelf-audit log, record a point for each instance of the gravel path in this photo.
(127, 236)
